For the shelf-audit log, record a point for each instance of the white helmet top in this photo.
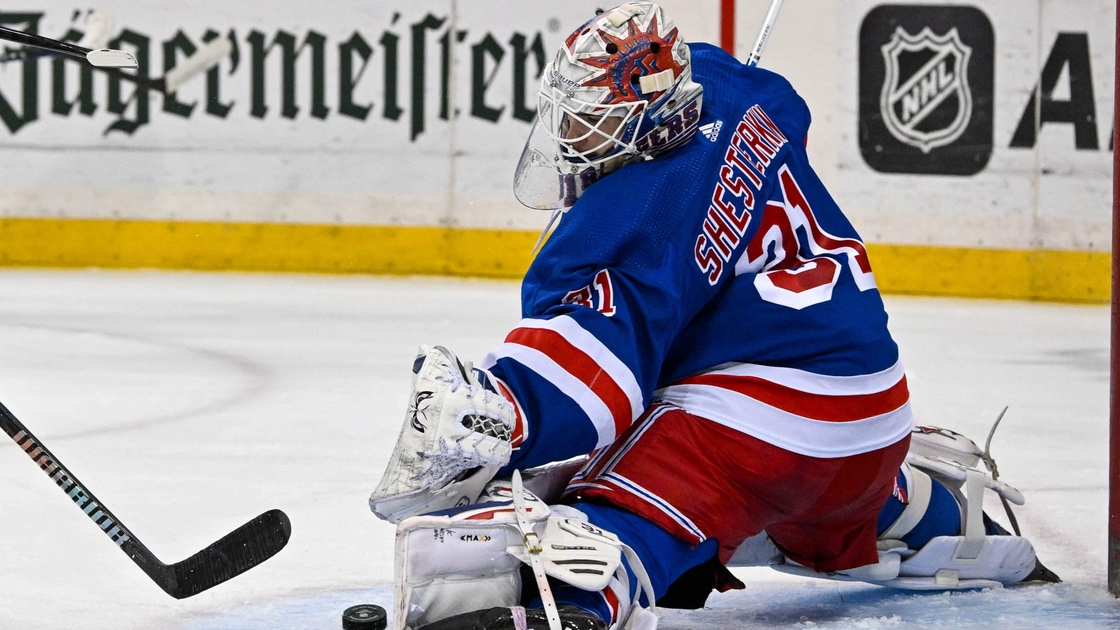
(619, 90)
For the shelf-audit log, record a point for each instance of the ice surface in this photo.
(191, 402)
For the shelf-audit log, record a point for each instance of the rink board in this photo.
(1053, 275)
(385, 125)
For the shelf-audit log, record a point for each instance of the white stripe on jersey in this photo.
(814, 438)
(552, 370)
(657, 502)
(590, 344)
(815, 383)
(571, 386)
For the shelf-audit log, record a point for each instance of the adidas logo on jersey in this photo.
(711, 130)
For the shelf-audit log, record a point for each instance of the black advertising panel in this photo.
(926, 89)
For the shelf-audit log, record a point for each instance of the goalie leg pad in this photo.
(469, 559)
(1000, 560)
(457, 561)
(939, 564)
(518, 618)
(941, 460)
(936, 566)
(949, 456)
(454, 439)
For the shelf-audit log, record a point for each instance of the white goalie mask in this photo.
(619, 90)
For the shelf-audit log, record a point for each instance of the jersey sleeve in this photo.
(601, 306)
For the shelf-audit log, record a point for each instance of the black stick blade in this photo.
(241, 550)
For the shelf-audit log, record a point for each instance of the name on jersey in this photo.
(672, 131)
(754, 144)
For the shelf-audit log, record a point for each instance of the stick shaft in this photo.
(63, 478)
(159, 84)
(81, 496)
(764, 32)
(237, 552)
(46, 43)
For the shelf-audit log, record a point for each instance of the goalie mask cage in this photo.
(1114, 377)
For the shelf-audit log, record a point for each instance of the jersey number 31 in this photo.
(797, 273)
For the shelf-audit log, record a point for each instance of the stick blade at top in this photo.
(108, 58)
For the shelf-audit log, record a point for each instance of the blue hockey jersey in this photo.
(721, 277)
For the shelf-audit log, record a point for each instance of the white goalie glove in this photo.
(455, 438)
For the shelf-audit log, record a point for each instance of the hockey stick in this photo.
(99, 28)
(206, 58)
(764, 33)
(103, 58)
(240, 550)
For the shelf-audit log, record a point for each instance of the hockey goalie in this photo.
(703, 373)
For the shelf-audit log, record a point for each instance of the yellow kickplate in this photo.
(265, 247)
(1065, 276)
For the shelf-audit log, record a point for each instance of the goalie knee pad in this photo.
(461, 563)
(919, 510)
(455, 438)
(942, 460)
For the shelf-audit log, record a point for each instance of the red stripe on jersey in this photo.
(796, 199)
(612, 603)
(580, 365)
(518, 434)
(806, 405)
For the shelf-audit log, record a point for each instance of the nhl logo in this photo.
(926, 89)
(926, 101)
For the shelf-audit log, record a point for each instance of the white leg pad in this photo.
(936, 566)
(446, 565)
(886, 569)
(948, 456)
(1000, 560)
(471, 560)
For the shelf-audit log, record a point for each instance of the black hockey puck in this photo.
(364, 617)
